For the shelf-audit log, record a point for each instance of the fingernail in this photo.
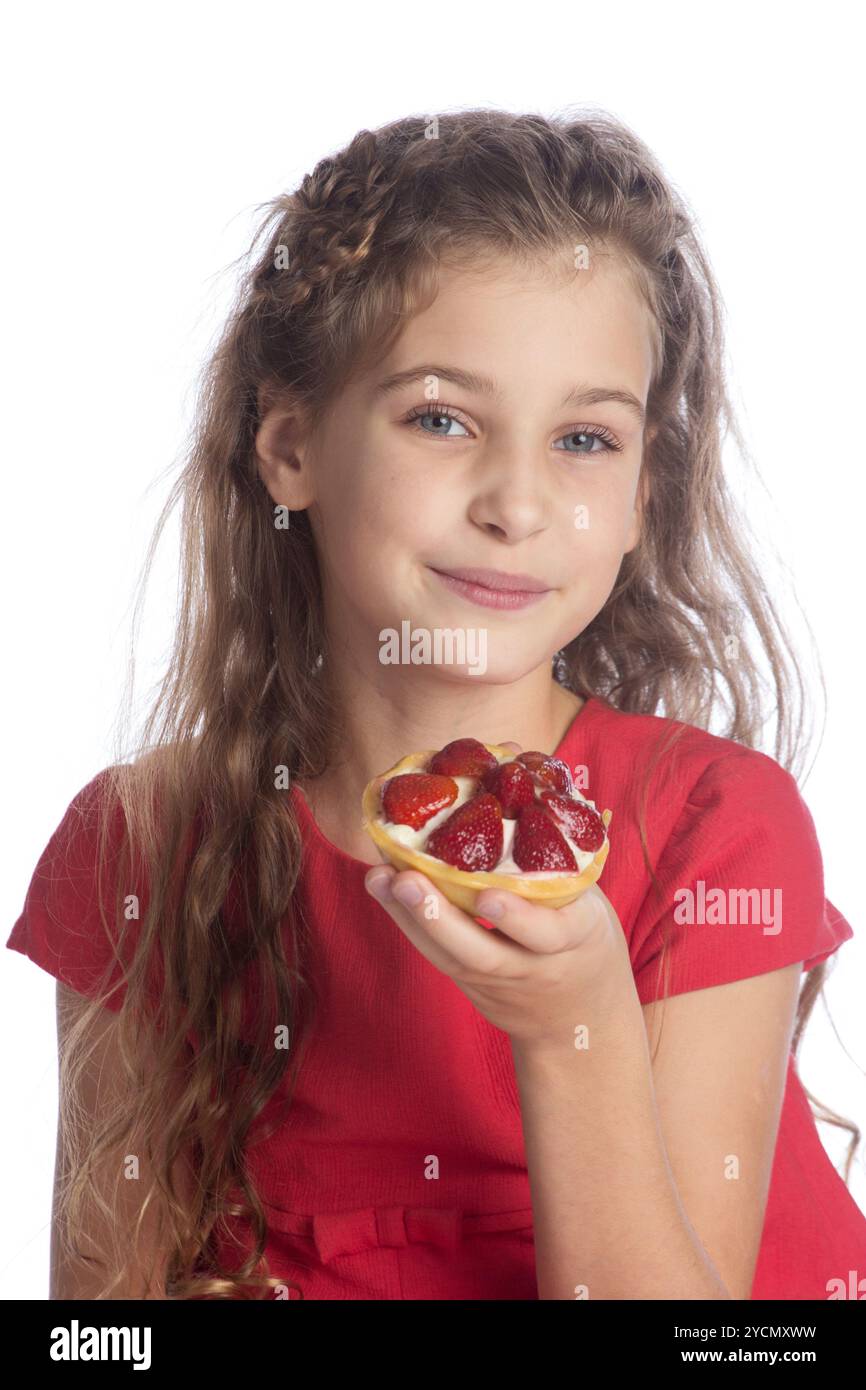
(494, 908)
(408, 893)
(377, 884)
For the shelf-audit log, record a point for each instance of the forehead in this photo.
(535, 324)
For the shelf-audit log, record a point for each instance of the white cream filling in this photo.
(466, 788)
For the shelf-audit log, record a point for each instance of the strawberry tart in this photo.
(476, 815)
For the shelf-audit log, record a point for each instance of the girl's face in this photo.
(420, 470)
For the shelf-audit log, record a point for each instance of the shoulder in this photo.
(732, 876)
(68, 923)
(77, 821)
(680, 760)
(688, 804)
(94, 819)
(97, 796)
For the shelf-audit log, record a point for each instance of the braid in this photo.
(329, 222)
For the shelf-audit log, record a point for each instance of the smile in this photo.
(498, 590)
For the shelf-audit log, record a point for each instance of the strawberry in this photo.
(552, 771)
(581, 822)
(464, 757)
(538, 844)
(471, 837)
(412, 798)
(512, 786)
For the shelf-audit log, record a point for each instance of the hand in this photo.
(531, 975)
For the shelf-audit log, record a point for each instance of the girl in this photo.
(479, 353)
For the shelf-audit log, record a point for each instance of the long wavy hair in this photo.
(246, 708)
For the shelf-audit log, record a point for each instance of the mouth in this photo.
(494, 588)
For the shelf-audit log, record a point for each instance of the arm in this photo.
(632, 1159)
(641, 1201)
(74, 1278)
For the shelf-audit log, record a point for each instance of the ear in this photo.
(282, 449)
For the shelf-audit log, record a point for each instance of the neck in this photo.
(404, 714)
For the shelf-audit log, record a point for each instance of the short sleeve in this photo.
(742, 885)
(60, 927)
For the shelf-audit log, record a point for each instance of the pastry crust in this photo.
(457, 885)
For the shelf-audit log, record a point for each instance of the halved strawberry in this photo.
(413, 798)
(512, 786)
(471, 838)
(464, 757)
(553, 771)
(582, 823)
(538, 844)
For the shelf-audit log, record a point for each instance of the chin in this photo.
(494, 673)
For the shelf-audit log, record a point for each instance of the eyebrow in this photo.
(483, 385)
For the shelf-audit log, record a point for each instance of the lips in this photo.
(497, 580)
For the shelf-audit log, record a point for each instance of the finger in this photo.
(379, 884)
(512, 747)
(546, 930)
(447, 936)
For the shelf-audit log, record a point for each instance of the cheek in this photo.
(353, 495)
(370, 522)
(601, 512)
(403, 509)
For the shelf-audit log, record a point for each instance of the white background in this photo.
(138, 141)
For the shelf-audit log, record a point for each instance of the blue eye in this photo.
(441, 413)
(604, 436)
(445, 415)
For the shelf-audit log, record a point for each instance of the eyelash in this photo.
(612, 446)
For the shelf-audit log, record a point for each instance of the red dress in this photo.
(401, 1170)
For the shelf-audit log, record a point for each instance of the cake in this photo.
(475, 815)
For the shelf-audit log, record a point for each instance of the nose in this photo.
(511, 498)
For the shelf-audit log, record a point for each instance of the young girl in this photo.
(476, 354)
